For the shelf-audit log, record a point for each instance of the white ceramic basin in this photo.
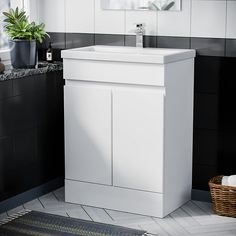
(129, 54)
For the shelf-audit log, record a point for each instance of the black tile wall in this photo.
(58, 40)
(24, 148)
(6, 160)
(202, 174)
(205, 147)
(5, 89)
(109, 39)
(208, 46)
(173, 42)
(23, 85)
(207, 74)
(206, 113)
(231, 47)
(58, 43)
(31, 133)
(74, 40)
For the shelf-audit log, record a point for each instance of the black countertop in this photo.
(41, 68)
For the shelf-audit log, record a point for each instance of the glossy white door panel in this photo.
(138, 139)
(88, 134)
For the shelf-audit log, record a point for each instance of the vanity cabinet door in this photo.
(138, 139)
(88, 134)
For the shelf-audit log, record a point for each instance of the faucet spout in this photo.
(139, 35)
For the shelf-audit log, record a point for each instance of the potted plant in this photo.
(23, 37)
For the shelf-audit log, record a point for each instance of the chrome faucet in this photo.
(139, 35)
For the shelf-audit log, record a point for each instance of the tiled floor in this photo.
(194, 218)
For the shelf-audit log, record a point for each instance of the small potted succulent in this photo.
(23, 37)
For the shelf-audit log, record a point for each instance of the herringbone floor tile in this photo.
(193, 219)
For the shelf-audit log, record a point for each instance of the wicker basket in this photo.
(223, 197)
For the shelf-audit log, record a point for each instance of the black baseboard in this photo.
(31, 194)
(200, 195)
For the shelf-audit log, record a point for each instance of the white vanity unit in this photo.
(128, 128)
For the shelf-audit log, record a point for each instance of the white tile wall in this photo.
(108, 21)
(231, 19)
(16, 3)
(79, 16)
(198, 18)
(52, 13)
(208, 18)
(175, 23)
(149, 18)
(31, 7)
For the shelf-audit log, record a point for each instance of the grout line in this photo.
(201, 208)
(191, 15)
(190, 216)
(55, 196)
(87, 213)
(185, 229)
(94, 21)
(65, 30)
(160, 226)
(41, 203)
(112, 141)
(226, 23)
(108, 214)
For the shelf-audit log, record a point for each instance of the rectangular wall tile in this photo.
(16, 3)
(79, 16)
(208, 46)
(206, 111)
(58, 43)
(108, 21)
(173, 42)
(52, 13)
(76, 40)
(57, 39)
(208, 19)
(25, 147)
(205, 147)
(231, 19)
(208, 74)
(5, 89)
(231, 47)
(175, 23)
(202, 174)
(148, 18)
(111, 39)
(6, 160)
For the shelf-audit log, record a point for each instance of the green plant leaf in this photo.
(18, 26)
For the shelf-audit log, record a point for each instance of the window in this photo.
(4, 6)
